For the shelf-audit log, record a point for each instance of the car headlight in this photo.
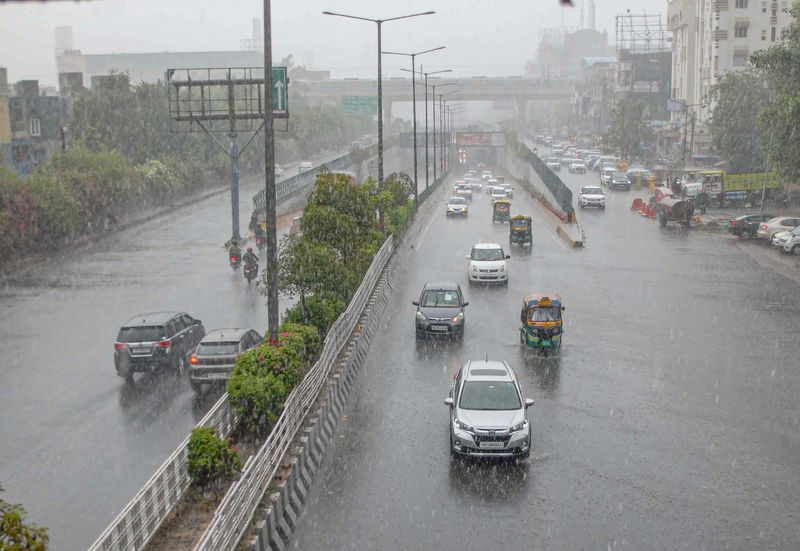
(461, 425)
(474, 268)
(421, 316)
(502, 269)
(521, 426)
(458, 318)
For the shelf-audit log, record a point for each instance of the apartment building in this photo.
(712, 37)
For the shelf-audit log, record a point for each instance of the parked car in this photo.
(780, 223)
(554, 164)
(156, 341)
(487, 264)
(592, 196)
(780, 237)
(305, 166)
(792, 244)
(488, 415)
(214, 358)
(619, 180)
(457, 206)
(440, 311)
(577, 166)
(746, 225)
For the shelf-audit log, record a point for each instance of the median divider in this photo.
(284, 505)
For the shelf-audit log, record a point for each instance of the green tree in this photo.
(16, 534)
(736, 133)
(780, 117)
(629, 128)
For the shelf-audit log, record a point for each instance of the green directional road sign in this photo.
(280, 89)
(359, 105)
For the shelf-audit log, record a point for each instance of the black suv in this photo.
(747, 224)
(156, 341)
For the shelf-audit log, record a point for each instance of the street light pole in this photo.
(414, 110)
(433, 116)
(442, 120)
(379, 23)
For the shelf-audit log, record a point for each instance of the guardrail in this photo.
(138, 521)
(237, 508)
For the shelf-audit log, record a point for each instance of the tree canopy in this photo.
(629, 128)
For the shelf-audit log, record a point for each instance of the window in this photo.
(716, 63)
(36, 127)
(740, 58)
(763, 35)
(740, 29)
(741, 4)
(763, 7)
(772, 35)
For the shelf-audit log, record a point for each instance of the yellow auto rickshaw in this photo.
(519, 230)
(541, 322)
(501, 211)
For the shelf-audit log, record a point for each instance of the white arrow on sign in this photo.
(279, 94)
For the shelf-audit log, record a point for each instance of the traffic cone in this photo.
(651, 213)
(637, 204)
(643, 209)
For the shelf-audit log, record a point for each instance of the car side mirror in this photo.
(449, 402)
(468, 257)
(415, 303)
(508, 256)
(563, 308)
(198, 322)
(465, 304)
(528, 403)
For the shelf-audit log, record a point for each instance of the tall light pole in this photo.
(442, 125)
(379, 22)
(414, 107)
(433, 116)
(427, 164)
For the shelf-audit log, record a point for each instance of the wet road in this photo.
(670, 420)
(76, 444)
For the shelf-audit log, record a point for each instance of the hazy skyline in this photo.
(482, 38)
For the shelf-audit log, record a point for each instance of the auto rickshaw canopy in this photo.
(521, 221)
(549, 306)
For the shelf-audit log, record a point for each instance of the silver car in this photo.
(488, 416)
(215, 357)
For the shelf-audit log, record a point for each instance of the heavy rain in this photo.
(486, 274)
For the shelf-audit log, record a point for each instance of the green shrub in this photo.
(323, 310)
(309, 335)
(16, 534)
(210, 457)
(257, 396)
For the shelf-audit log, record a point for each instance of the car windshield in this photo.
(457, 201)
(487, 254)
(591, 191)
(490, 396)
(498, 191)
(619, 176)
(225, 348)
(441, 298)
(520, 223)
(545, 314)
(552, 160)
(144, 333)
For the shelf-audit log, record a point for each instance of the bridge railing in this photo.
(140, 518)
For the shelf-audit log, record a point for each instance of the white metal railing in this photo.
(236, 510)
(138, 521)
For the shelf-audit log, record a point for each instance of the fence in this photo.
(236, 510)
(142, 516)
(560, 191)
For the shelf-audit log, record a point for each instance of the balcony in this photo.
(720, 34)
(721, 5)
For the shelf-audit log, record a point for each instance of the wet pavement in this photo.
(669, 420)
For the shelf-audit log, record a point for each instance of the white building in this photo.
(712, 37)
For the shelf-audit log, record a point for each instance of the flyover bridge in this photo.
(520, 90)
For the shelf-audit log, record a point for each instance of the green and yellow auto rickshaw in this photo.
(519, 230)
(501, 211)
(542, 323)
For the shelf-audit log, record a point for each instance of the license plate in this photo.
(140, 350)
(440, 328)
(547, 343)
(492, 445)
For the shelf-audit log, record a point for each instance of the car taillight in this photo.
(233, 258)
(733, 222)
(763, 226)
(119, 345)
(163, 344)
(193, 359)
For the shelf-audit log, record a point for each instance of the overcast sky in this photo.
(483, 37)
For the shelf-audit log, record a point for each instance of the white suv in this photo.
(792, 244)
(487, 264)
(592, 196)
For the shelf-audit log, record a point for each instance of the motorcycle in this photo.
(235, 260)
(251, 272)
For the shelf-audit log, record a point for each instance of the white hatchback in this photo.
(487, 264)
